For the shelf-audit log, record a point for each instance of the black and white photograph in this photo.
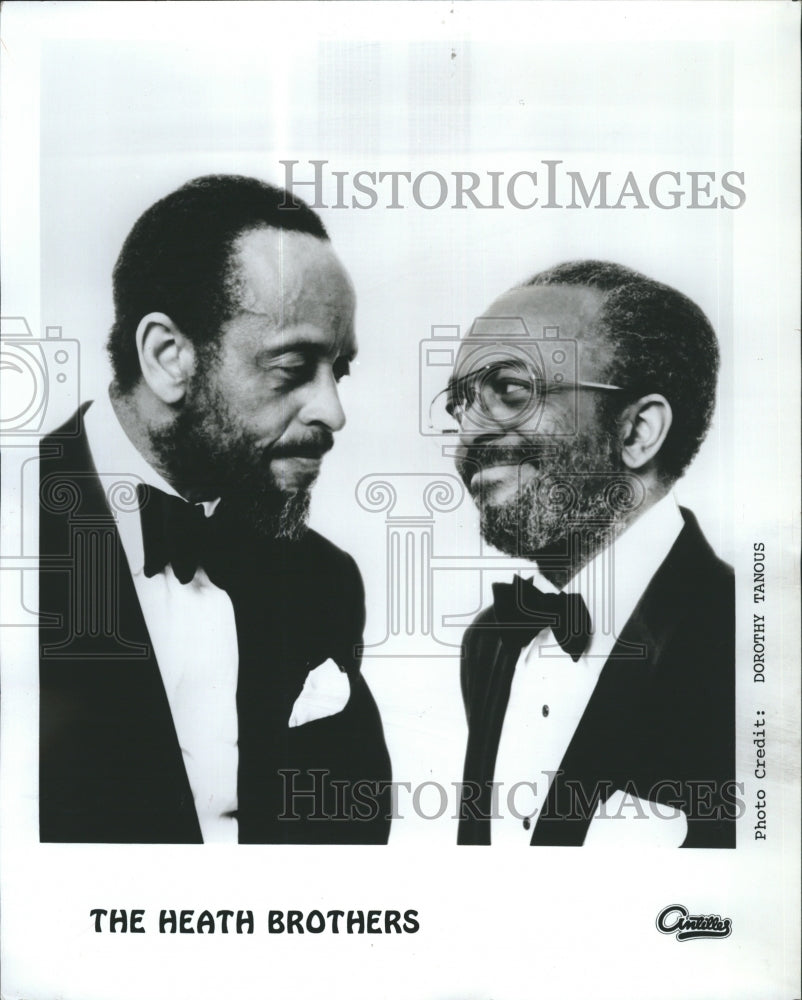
(401, 460)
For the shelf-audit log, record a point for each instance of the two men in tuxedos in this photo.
(599, 687)
(199, 645)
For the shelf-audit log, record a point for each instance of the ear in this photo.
(644, 427)
(166, 357)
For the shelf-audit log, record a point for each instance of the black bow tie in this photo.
(523, 611)
(178, 533)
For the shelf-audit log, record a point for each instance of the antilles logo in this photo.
(675, 919)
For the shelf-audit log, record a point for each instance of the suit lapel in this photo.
(611, 748)
(488, 706)
(110, 765)
(493, 707)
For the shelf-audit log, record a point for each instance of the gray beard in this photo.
(581, 498)
(277, 515)
(292, 522)
(556, 518)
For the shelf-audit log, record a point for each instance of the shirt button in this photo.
(545, 711)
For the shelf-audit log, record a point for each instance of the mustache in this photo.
(472, 458)
(311, 446)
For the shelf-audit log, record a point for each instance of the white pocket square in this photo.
(326, 692)
(627, 821)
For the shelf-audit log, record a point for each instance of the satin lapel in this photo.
(110, 765)
(488, 707)
(610, 747)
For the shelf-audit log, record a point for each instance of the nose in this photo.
(322, 404)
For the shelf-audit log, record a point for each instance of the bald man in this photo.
(599, 686)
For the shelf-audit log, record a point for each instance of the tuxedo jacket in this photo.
(110, 767)
(660, 724)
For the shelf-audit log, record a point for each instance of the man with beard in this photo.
(599, 687)
(199, 645)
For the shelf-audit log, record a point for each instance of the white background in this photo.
(107, 108)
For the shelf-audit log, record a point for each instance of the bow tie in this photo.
(177, 533)
(523, 612)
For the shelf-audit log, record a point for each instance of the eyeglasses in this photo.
(504, 393)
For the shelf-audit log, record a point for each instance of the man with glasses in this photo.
(199, 645)
(599, 687)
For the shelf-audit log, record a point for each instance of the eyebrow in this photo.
(307, 347)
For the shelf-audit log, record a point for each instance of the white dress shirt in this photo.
(550, 692)
(194, 637)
